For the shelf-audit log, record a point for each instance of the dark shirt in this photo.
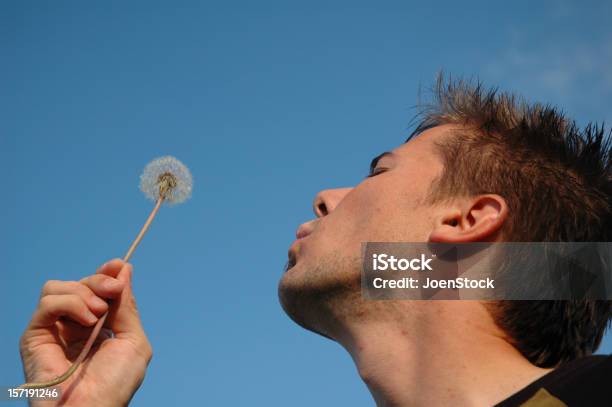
(581, 382)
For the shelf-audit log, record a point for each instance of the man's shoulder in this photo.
(581, 382)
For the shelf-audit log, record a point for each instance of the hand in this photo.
(66, 314)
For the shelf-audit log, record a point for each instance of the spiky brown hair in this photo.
(557, 181)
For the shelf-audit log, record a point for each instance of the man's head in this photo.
(480, 166)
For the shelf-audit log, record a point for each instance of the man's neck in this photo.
(443, 354)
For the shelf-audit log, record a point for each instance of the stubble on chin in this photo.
(317, 297)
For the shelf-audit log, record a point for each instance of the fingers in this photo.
(82, 302)
(52, 307)
(54, 287)
(103, 286)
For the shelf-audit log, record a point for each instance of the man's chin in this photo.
(298, 310)
(310, 296)
(301, 297)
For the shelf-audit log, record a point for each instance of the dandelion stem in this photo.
(144, 229)
(98, 327)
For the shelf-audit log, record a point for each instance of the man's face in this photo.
(389, 206)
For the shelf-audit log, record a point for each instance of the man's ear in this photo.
(476, 219)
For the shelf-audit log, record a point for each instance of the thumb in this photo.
(124, 319)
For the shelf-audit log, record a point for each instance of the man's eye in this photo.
(376, 171)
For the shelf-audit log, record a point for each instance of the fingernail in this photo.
(98, 302)
(91, 317)
(112, 284)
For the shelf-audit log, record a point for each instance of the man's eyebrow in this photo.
(374, 162)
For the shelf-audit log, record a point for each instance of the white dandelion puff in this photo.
(167, 177)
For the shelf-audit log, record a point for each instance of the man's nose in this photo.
(326, 201)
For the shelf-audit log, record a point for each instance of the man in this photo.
(480, 167)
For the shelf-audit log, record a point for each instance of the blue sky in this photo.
(267, 103)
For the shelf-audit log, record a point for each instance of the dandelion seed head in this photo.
(166, 176)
